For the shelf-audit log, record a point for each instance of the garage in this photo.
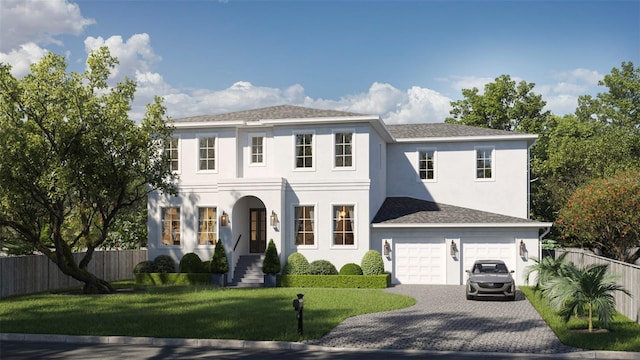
(420, 263)
(472, 251)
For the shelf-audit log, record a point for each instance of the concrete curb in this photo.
(281, 345)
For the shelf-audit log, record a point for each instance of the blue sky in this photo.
(402, 60)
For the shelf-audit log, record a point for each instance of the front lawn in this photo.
(202, 312)
(623, 335)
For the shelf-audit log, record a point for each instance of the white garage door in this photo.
(473, 251)
(420, 263)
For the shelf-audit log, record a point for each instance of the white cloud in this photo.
(134, 55)
(20, 59)
(38, 21)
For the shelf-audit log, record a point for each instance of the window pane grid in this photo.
(483, 163)
(208, 153)
(257, 150)
(171, 226)
(343, 148)
(304, 156)
(171, 150)
(207, 226)
(427, 165)
(304, 225)
(343, 225)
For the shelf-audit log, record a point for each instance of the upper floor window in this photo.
(343, 225)
(426, 164)
(344, 149)
(484, 163)
(304, 151)
(257, 150)
(207, 226)
(207, 153)
(171, 226)
(171, 150)
(304, 225)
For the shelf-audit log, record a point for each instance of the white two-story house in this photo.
(431, 198)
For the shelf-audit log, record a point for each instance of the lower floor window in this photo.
(343, 225)
(304, 225)
(171, 226)
(207, 226)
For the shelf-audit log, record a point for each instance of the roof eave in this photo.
(537, 225)
(527, 137)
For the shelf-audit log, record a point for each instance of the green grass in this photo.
(623, 335)
(202, 312)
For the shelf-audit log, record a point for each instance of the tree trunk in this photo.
(97, 286)
(590, 317)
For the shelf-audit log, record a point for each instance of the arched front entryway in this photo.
(249, 224)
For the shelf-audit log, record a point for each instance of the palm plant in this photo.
(588, 290)
(547, 268)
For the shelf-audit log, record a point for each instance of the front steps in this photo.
(248, 272)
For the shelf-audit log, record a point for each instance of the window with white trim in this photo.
(304, 218)
(426, 164)
(207, 155)
(171, 226)
(304, 151)
(343, 225)
(171, 151)
(257, 149)
(343, 149)
(207, 226)
(484, 163)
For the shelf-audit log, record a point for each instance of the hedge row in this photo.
(335, 281)
(173, 278)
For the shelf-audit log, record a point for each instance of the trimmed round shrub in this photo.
(144, 267)
(191, 263)
(296, 264)
(164, 264)
(271, 263)
(351, 269)
(372, 263)
(322, 267)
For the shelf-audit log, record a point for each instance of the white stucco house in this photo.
(333, 185)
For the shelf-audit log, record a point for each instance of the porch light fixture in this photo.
(273, 219)
(454, 249)
(523, 250)
(224, 219)
(386, 249)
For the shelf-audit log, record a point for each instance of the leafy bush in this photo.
(144, 267)
(173, 279)
(271, 263)
(191, 263)
(219, 261)
(206, 266)
(297, 264)
(164, 264)
(322, 267)
(351, 269)
(372, 263)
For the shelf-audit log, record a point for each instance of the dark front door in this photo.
(258, 240)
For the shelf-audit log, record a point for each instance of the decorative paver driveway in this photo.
(444, 320)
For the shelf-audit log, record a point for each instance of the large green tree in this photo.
(605, 214)
(72, 161)
(504, 105)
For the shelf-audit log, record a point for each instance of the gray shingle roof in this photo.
(412, 131)
(406, 210)
(274, 112)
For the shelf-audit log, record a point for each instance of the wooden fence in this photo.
(35, 273)
(629, 279)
